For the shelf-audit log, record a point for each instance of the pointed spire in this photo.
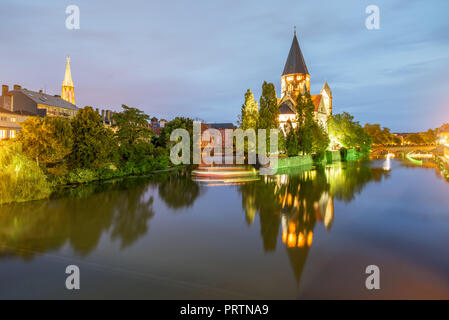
(295, 60)
(68, 75)
(67, 91)
(326, 88)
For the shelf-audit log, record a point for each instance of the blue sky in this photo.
(197, 58)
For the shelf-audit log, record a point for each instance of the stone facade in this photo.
(296, 79)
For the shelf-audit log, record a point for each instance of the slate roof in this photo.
(227, 125)
(295, 60)
(46, 99)
(286, 108)
(19, 112)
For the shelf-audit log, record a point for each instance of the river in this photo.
(300, 234)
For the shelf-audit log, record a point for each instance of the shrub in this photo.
(21, 179)
(79, 176)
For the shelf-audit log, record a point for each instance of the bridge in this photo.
(423, 148)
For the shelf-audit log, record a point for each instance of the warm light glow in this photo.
(309, 238)
(291, 240)
(289, 199)
(284, 237)
(301, 240)
(291, 227)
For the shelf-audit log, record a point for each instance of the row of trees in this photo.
(308, 137)
(83, 146)
(304, 135)
(428, 137)
(53, 151)
(383, 136)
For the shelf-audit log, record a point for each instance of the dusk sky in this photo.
(197, 58)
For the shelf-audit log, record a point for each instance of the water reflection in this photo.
(298, 199)
(78, 219)
(288, 205)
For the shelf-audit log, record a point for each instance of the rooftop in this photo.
(295, 60)
(46, 99)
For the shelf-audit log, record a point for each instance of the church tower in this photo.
(67, 92)
(296, 77)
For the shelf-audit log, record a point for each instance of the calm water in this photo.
(304, 234)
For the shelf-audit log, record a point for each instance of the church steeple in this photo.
(295, 77)
(295, 60)
(67, 91)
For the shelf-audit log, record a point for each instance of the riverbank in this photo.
(443, 165)
(24, 184)
(328, 158)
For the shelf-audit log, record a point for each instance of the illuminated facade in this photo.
(32, 103)
(296, 79)
(9, 123)
(67, 91)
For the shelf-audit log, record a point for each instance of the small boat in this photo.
(225, 175)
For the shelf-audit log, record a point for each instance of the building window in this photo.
(12, 134)
(13, 119)
(2, 134)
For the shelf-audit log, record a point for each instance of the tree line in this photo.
(54, 151)
(383, 136)
(303, 135)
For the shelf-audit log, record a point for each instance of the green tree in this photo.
(21, 178)
(250, 112)
(291, 140)
(163, 141)
(177, 123)
(381, 136)
(320, 140)
(269, 111)
(133, 135)
(93, 144)
(430, 136)
(311, 137)
(415, 138)
(46, 140)
(347, 133)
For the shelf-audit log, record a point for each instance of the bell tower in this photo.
(296, 77)
(67, 91)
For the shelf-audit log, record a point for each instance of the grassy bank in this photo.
(327, 158)
(22, 179)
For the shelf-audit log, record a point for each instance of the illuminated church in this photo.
(67, 90)
(295, 79)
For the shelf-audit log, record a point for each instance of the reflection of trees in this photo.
(349, 178)
(79, 216)
(178, 190)
(261, 197)
(36, 227)
(131, 215)
(298, 199)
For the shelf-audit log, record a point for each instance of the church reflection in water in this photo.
(289, 205)
(294, 201)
